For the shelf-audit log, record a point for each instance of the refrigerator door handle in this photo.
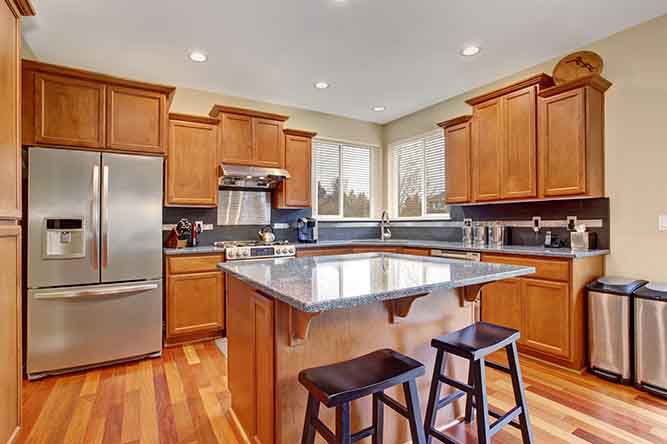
(95, 217)
(74, 294)
(105, 216)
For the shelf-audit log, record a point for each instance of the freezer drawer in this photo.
(91, 325)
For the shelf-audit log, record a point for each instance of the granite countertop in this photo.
(315, 284)
(202, 249)
(458, 246)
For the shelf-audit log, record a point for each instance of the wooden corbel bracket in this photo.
(400, 308)
(299, 325)
(470, 293)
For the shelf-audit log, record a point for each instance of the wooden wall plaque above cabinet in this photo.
(250, 137)
(191, 174)
(295, 192)
(69, 107)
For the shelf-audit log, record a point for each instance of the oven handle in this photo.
(75, 294)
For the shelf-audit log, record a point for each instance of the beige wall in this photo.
(192, 101)
(636, 145)
(26, 50)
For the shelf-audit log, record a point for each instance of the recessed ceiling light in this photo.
(198, 56)
(379, 109)
(321, 85)
(470, 51)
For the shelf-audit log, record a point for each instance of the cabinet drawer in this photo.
(193, 264)
(323, 251)
(551, 269)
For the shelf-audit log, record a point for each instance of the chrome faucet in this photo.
(385, 232)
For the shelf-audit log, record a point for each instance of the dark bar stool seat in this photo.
(337, 385)
(475, 343)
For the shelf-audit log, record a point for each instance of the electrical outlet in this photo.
(571, 222)
(662, 222)
(537, 223)
(200, 225)
(208, 227)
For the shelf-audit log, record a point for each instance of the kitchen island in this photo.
(288, 314)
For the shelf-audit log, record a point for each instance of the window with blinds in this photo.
(343, 178)
(420, 165)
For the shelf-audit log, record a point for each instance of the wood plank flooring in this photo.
(183, 398)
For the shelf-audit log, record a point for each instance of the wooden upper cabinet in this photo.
(10, 147)
(69, 111)
(137, 120)
(519, 153)
(237, 143)
(487, 150)
(269, 148)
(571, 138)
(295, 192)
(69, 107)
(191, 177)
(458, 152)
(250, 137)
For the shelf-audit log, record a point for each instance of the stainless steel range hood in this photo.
(241, 176)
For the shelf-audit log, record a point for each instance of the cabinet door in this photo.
(546, 316)
(10, 153)
(562, 144)
(295, 191)
(137, 120)
(10, 330)
(191, 175)
(264, 377)
(237, 144)
(69, 111)
(457, 146)
(501, 303)
(487, 148)
(195, 303)
(416, 251)
(323, 251)
(269, 149)
(519, 172)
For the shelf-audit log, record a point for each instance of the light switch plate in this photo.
(662, 222)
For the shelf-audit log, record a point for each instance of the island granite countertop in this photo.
(316, 284)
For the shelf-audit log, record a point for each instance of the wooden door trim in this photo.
(40, 114)
(162, 126)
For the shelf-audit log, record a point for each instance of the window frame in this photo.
(394, 178)
(374, 158)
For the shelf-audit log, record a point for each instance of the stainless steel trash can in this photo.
(651, 338)
(610, 327)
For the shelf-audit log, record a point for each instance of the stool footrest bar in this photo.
(361, 434)
(498, 367)
(444, 402)
(442, 437)
(394, 405)
(323, 430)
(459, 385)
(508, 418)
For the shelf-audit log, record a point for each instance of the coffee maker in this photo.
(306, 228)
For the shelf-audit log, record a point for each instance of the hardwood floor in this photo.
(183, 398)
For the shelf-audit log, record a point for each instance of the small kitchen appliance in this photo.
(307, 229)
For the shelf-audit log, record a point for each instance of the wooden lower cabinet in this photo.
(546, 316)
(333, 251)
(195, 299)
(10, 332)
(502, 304)
(251, 362)
(548, 307)
(416, 251)
(323, 251)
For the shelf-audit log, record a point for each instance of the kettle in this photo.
(266, 234)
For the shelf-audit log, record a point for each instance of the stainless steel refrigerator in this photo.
(94, 256)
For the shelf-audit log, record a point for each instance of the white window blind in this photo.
(420, 178)
(343, 178)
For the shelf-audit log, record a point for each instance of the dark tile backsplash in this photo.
(550, 210)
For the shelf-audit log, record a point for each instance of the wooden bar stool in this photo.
(337, 385)
(475, 343)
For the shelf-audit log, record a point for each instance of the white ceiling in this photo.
(402, 54)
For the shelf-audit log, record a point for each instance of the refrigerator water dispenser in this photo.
(64, 239)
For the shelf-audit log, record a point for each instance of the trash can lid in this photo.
(616, 285)
(656, 291)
